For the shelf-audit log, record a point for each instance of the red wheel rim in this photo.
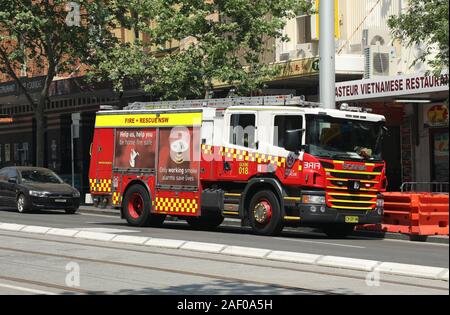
(136, 206)
(262, 212)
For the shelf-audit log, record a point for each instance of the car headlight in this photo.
(36, 193)
(314, 199)
(380, 203)
(76, 194)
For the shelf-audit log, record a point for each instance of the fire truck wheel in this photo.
(265, 214)
(136, 208)
(206, 222)
(339, 230)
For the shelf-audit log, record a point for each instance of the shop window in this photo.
(16, 152)
(439, 155)
(7, 152)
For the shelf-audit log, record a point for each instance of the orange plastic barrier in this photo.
(415, 214)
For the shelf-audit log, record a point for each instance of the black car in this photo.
(33, 188)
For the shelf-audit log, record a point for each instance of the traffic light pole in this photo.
(327, 51)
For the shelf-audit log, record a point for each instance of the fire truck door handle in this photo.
(226, 166)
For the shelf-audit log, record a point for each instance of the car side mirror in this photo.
(293, 140)
(12, 180)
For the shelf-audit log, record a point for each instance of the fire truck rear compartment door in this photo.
(103, 148)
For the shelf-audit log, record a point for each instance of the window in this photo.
(243, 130)
(285, 123)
(303, 29)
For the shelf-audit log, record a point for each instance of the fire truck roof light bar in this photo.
(347, 108)
(282, 100)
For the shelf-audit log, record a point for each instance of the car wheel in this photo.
(22, 205)
(71, 211)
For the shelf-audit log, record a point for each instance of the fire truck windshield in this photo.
(338, 138)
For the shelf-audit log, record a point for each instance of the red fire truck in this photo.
(268, 161)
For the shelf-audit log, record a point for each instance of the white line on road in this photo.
(315, 242)
(101, 216)
(106, 230)
(13, 287)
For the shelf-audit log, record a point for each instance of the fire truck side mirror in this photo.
(293, 140)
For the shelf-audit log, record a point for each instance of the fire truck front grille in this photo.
(352, 176)
(352, 201)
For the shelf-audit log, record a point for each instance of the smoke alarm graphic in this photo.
(178, 148)
(133, 156)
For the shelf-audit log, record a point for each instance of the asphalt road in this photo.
(427, 254)
(42, 264)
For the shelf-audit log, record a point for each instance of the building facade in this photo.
(416, 149)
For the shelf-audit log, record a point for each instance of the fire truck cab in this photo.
(268, 161)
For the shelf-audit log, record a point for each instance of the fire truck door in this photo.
(103, 151)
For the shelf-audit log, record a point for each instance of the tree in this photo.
(57, 38)
(425, 22)
(216, 41)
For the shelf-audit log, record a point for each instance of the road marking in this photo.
(101, 215)
(105, 230)
(314, 242)
(7, 286)
(412, 243)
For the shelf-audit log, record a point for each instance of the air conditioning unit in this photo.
(379, 61)
(355, 49)
(305, 51)
(374, 37)
(285, 56)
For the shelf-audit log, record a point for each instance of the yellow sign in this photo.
(316, 21)
(298, 68)
(148, 120)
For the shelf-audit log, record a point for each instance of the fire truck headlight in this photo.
(320, 200)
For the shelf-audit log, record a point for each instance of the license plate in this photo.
(60, 200)
(351, 219)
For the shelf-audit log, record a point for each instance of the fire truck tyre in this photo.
(339, 230)
(136, 208)
(265, 214)
(205, 223)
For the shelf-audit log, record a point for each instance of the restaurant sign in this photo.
(390, 87)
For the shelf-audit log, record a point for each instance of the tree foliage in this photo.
(227, 39)
(38, 32)
(425, 23)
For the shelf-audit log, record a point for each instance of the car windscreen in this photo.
(40, 176)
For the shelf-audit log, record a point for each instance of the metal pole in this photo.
(327, 52)
(72, 153)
